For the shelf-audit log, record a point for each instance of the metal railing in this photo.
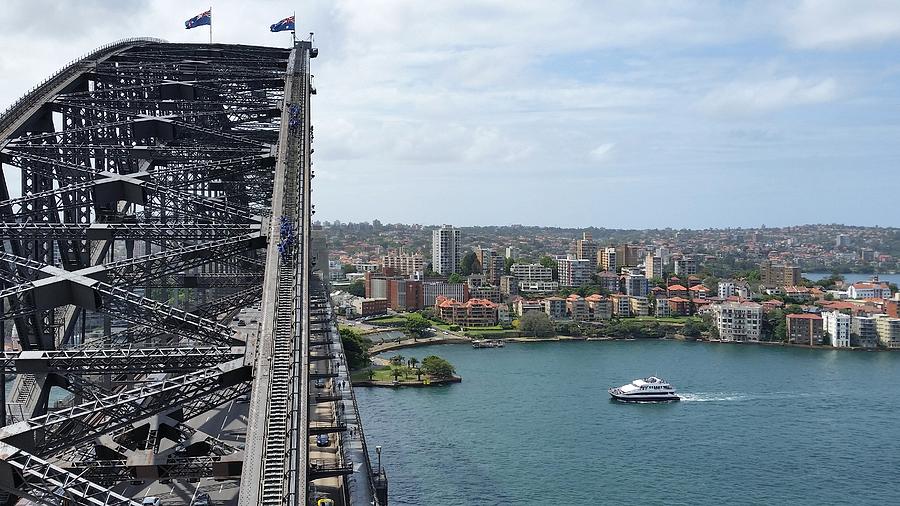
(9, 114)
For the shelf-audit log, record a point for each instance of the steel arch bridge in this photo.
(152, 197)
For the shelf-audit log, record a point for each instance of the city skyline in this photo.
(725, 115)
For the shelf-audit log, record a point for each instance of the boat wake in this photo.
(711, 397)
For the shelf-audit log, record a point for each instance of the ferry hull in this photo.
(645, 398)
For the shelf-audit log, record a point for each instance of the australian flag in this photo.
(199, 20)
(284, 24)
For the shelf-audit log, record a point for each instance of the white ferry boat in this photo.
(487, 343)
(650, 389)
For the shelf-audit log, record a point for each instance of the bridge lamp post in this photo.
(378, 451)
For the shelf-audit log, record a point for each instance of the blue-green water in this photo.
(533, 424)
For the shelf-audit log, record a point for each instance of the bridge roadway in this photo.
(170, 147)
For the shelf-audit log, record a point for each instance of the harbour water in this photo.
(853, 277)
(533, 424)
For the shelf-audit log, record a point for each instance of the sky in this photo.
(631, 114)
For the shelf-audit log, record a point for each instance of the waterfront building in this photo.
(685, 266)
(621, 305)
(679, 306)
(869, 290)
(863, 332)
(653, 266)
(431, 290)
(638, 306)
(772, 275)
(555, 307)
(599, 306)
(445, 250)
(808, 328)
(472, 313)
(370, 306)
(800, 293)
(503, 315)
(738, 321)
(837, 327)
(636, 285)
(888, 330)
(661, 307)
(577, 308)
(586, 249)
(522, 306)
(608, 260)
(573, 272)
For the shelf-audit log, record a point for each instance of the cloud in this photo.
(836, 24)
(757, 97)
(602, 152)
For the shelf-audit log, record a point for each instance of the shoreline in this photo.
(526, 340)
(401, 384)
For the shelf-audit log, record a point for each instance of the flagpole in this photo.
(294, 31)
(210, 24)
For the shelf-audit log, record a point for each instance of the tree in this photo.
(508, 263)
(454, 278)
(395, 372)
(348, 268)
(397, 359)
(412, 362)
(357, 288)
(536, 324)
(371, 374)
(416, 325)
(436, 367)
(468, 263)
(355, 349)
(691, 329)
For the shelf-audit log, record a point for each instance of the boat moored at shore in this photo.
(487, 343)
(650, 389)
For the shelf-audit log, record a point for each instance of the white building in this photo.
(431, 290)
(738, 321)
(837, 325)
(733, 289)
(445, 254)
(685, 266)
(403, 263)
(574, 272)
(512, 252)
(538, 286)
(530, 273)
(869, 290)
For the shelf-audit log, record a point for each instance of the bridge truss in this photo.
(140, 205)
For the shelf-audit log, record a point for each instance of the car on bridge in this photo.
(324, 501)
(322, 440)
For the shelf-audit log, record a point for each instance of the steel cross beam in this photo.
(117, 360)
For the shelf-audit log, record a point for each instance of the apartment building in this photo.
(472, 313)
(772, 275)
(574, 273)
(738, 321)
(638, 306)
(636, 285)
(608, 260)
(888, 330)
(402, 263)
(808, 329)
(837, 327)
(653, 266)
(555, 307)
(600, 307)
(863, 332)
(445, 250)
(621, 305)
(586, 249)
(577, 308)
(431, 290)
(685, 266)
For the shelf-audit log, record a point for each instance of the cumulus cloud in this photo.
(749, 98)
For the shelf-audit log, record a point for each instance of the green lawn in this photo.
(384, 373)
(387, 320)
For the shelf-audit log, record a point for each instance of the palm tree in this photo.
(412, 362)
(371, 374)
(396, 373)
(397, 359)
(418, 374)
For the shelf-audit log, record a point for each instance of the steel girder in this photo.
(142, 169)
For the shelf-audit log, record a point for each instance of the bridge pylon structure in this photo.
(143, 192)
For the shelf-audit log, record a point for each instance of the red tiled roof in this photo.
(677, 288)
(804, 316)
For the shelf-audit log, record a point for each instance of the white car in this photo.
(151, 501)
